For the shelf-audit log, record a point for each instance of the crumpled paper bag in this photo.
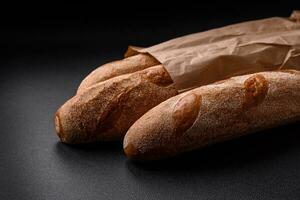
(248, 47)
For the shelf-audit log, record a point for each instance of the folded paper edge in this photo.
(132, 50)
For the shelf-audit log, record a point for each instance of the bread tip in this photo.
(130, 150)
(58, 127)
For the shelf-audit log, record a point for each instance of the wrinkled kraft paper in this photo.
(249, 47)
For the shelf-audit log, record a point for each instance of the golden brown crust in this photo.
(117, 68)
(185, 112)
(58, 127)
(106, 110)
(256, 88)
(274, 99)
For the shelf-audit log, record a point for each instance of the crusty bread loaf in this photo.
(116, 68)
(105, 111)
(215, 113)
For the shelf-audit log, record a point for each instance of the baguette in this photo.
(105, 110)
(117, 68)
(214, 113)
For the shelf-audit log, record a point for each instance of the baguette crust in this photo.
(117, 68)
(185, 112)
(228, 109)
(105, 111)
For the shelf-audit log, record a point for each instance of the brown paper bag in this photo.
(249, 47)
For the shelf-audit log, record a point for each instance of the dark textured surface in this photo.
(43, 63)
